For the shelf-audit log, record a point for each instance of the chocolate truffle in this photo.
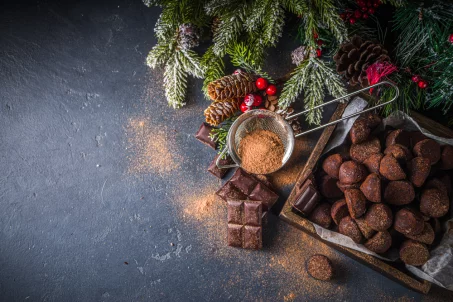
(371, 188)
(419, 170)
(356, 202)
(446, 158)
(360, 152)
(348, 227)
(391, 169)
(426, 236)
(409, 222)
(398, 136)
(321, 215)
(373, 119)
(399, 152)
(414, 253)
(446, 180)
(339, 210)
(359, 131)
(428, 148)
(331, 165)
(320, 267)
(372, 163)
(434, 203)
(399, 192)
(364, 228)
(438, 183)
(379, 217)
(352, 172)
(343, 187)
(379, 243)
(328, 187)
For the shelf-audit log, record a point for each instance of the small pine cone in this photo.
(188, 36)
(219, 111)
(299, 55)
(294, 123)
(215, 24)
(355, 56)
(232, 86)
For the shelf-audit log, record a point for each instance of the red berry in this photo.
(271, 90)
(376, 5)
(320, 42)
(258, 99)
(244, 107)
(415, 78)
(365, 16)
(315, 35)
(422, 84)
(352, 20)
(249, 99)
(371, 10)
(450, 39)
(361, 3)
(357, 14)
(261, 83)
(364, 8)
(318, 52)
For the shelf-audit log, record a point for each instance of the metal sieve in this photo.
(267, 120)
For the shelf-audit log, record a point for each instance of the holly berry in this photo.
(271, 90)
(315, 35)
(365, 16)
(261, 83)
(258, 99)
(320, 42)
(364, 9)
(450, 39)
(318, 52)
(244, 107)
(357, 14)
(249, 99)
(415, 78)
(352, 20)
(371, 10)
(422, 84)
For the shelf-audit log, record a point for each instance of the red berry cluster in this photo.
(252, 101)
(320, 43)
(420, 82)
(450, 38)
(366, 8)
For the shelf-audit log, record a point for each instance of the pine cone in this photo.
(232, 86)
(271, 104)
(355, 56)
(188, 36)
(298, 55)
(219, 111)
(215, 24)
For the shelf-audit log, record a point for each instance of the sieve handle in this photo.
(217, 162)
(351, 115)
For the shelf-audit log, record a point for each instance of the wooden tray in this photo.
(386, 268)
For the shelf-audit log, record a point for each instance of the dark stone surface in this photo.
(77, 223)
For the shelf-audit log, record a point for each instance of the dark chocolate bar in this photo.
(229, 191)
(203, 135)
(244, 224)
(308, 198)
(250, 187)
(216, 171)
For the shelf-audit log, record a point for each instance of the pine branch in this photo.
(191, 63)
(274, 20)
(219, 135)
(159, 54)
(215, 69)
(242, 56)
(175, 81)
(331, 18)
(296, 83)
(396, 3)
(298, 7)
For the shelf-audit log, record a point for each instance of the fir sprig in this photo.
(219, 135)
(215, 69)
(244, 57)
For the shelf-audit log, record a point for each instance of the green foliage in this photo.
(245, 57)
(219, 135)
(214, 66)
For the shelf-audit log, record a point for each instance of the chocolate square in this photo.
(244, 223)
(264, 194)
(229, 191)
(307, 199)
(235, 235)
(253, 237)
(235, 211)
(243, 181)
(203, 135)
(253, 212)
(216, 171)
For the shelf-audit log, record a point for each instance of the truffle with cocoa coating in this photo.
(399, 192)
(379, 243)
(419, 170)
(446, 158)
(398, 151)
(398, 136)
(360, 152)
(328, 187)
(366, 230)
(320, 267)
(391, 169)
(379, 217)
(428, 148)
(434, 203)
(371, 187)
(438, 183)
(356, 202)
(348, 227)
(339, 210)
(426, 236)
(414, 253)
(372, 163)
(359, 131)
(373, 119)
(343, 186)
(331, 165)
(352, 172)
(409, 221)
(321, 215)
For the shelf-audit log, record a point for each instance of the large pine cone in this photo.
(232, 86)
(219, 111)
(355, 56)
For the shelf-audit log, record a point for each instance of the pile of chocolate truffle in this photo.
(383, 190)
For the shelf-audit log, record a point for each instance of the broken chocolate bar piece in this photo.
(229, 191)
(245, 224)
(216, 171)
(203, 135)
(244, 181)
(308, 198)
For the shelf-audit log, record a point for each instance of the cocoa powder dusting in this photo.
(261, 152)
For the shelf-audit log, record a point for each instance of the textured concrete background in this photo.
(87, 215)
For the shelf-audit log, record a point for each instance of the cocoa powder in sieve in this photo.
(261, 152)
